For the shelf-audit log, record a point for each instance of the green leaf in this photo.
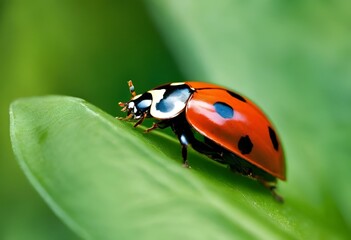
(108, 180)
(293, 59)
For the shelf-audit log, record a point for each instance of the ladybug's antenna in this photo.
(131, 88)
(132, 91)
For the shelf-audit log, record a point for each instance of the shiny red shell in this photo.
(248, 122)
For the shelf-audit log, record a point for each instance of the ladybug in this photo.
(217, 122)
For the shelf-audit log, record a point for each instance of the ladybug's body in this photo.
(234, 131)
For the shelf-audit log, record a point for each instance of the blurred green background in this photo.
(293, 58)
(88, 49)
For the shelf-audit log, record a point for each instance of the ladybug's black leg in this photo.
(205, 149)
(186, 137)
(183, 139)
(140, 121)
(185, 156)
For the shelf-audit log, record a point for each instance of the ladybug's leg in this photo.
(161, 124)
(183, 139)
(140, 121)
(125, 118)
(153, 127)
(206, 150)
(185, 156)
(236, 164)
(187, 138)
(271, 186)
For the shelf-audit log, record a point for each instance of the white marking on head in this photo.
(136, 97)
(177, 83)
(157, 95)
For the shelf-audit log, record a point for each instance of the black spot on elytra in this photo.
(237, 96)
(273, 137)
(245, 145)
(224, 110)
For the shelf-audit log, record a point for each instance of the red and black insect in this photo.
(233, 130)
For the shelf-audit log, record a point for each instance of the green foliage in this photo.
(292, 58)
(107, 180)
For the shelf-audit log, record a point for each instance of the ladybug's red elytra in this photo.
(216, 122)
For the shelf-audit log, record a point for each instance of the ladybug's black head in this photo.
(138, 106)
